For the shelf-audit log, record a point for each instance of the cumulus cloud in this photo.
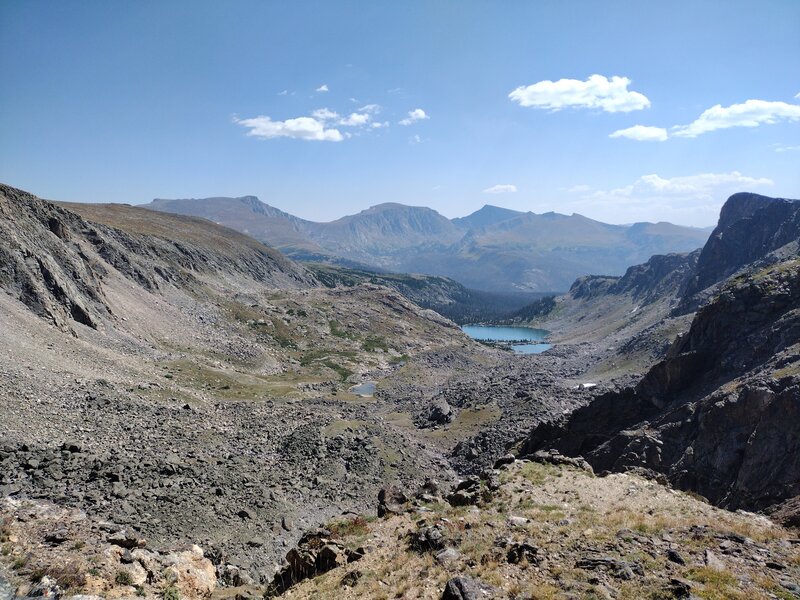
(301, 128)
(642, 133)
(690, 200)
(320, 126)
(501, 188)
(322, 88)
(413, 116)
(750, 113)
(355, 120)
(609, 95)
(379, 125)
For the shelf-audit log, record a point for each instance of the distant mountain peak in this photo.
(488, 214)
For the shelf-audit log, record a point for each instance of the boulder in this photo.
(440, 412)
(390, 501)
(467, 588)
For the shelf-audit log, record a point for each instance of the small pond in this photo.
(365, 390)
(523, 340)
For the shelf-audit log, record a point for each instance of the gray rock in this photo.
(467, 588)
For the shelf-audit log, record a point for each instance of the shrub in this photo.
(123, 578)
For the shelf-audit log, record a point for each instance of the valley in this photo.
(172, 383)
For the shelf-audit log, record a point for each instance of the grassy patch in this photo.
(338, 331)
(717, 585)
(375, 342)
(355, 526)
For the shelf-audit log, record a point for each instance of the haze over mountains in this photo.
(493, 249)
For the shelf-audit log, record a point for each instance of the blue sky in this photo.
(446, 104)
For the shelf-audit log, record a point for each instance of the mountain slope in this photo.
(446, 296)
(382, 234)
(55, 262)
(250, 216)
(750, 227)
(486, 215)
(199, 381)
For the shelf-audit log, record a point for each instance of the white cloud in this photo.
(355, 120)
(372, 109)
(501, 188)
(414, 115)
(379, 125)
(750, 113)
(322, 88)
(415, 139)
(642, 133)
(283, 93)
(781, 148)
(691, 199)
(301, 128)
(610, 95)
(324, 114)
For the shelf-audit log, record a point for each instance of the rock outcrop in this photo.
(750, 227)
(718, 415)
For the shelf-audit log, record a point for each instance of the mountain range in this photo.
(492, 249)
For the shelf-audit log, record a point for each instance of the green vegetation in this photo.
(123, 578)
(717, 584)
(375, 342)
(355, 526)
(535, 310)
(337, 331)
(172, 593)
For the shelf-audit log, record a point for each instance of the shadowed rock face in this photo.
(719, 414)
(750, 227)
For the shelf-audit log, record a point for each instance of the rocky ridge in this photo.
(714, 415)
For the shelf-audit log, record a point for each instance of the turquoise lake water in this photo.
(522, 335)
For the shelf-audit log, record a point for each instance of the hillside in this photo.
(199, 376)
(447, 297)
(251, 217)
(493, 249)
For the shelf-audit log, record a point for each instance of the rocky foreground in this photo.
(542, 527)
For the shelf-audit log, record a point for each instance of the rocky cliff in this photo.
(718, 414)
(750, 227)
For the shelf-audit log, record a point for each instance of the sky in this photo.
(622, 111)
